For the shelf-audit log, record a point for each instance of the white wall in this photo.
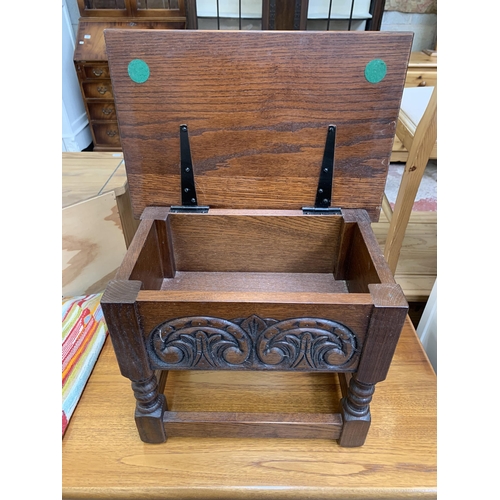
(427, 327)
(75, 128)
(74, 13)
(424, 26)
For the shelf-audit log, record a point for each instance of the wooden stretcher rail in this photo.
(314, 298)
(253, 425)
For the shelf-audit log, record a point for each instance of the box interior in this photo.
(251, 251)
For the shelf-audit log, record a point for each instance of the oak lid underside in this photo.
(257, 105)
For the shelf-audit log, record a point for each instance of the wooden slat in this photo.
(257, 425)
(418, 157)
(344, 379)
(416, 288)
(260, 242)
(130, 261)
(400, 153)
(161, 377)
(352, 310)
(311, 298)
(129, 224)
(420, 59)
(417, 265)
(258, 115)
(257, 282)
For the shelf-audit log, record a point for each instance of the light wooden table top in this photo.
(89, 174)
(104, 458)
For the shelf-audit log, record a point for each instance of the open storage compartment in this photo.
(257, 268)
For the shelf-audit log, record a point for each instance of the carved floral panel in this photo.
(254, 343)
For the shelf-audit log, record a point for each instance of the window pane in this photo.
(318, 9)
(158, 4)
(105, 4)
(230, 8)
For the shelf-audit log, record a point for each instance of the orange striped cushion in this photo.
(83, 334)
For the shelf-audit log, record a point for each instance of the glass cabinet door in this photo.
(104, 8)
(104, 4)
(158, 8)
(229, 14)
(157, 4)
(338, 15)
(132, 8)
(314, 15)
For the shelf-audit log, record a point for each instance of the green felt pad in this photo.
(138, 70)
(375, 71)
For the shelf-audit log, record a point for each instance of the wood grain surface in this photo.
(257, 105)
(103, 456)
(93, 246)
(89, 174)
(258, 241)
(417, 265)
(419, 151)
(257, 282)
(352, 310)
(91, 33)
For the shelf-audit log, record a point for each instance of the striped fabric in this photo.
(83, 334)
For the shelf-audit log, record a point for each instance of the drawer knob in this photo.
(422, 84)
(111, 133)
(107, 111)
(97, 71)
(102, 90)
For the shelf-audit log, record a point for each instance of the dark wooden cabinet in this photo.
(90, 57)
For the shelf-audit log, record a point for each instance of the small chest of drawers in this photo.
(422, 70)
(97, 93)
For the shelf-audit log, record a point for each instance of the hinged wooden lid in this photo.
(257, 105)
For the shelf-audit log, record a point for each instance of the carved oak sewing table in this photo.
(256, 162)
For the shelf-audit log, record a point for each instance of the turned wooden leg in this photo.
(150, 406)
(119, 308)
(356, 413)
(386, 322)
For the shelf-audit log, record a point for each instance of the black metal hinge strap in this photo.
(187, 176)
(188, 189)
(325, 183)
